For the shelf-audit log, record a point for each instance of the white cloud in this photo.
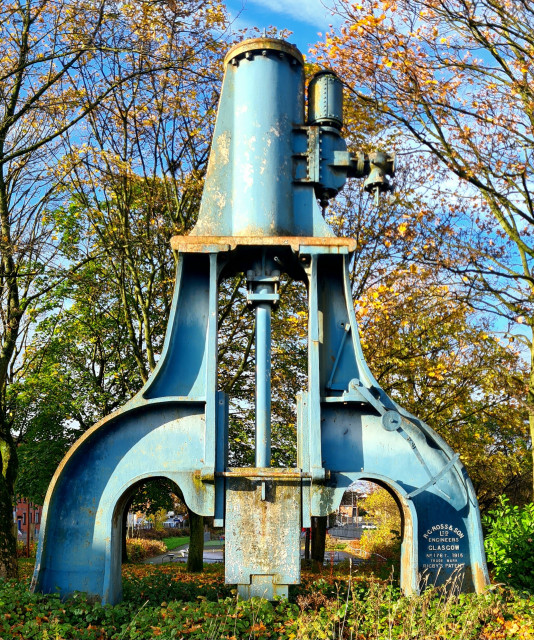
(311, 12)
(238, 21)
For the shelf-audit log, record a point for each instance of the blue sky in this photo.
(305, 18)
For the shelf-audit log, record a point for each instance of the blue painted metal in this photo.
(259, 216)
(325, 100)
(250, 187)
(263, 282)
(263, 385)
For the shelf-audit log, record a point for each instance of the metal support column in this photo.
(262, 282)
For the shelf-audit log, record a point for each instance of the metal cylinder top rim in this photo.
(262, 44)
(324, 72)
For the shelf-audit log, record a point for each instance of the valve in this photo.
(381, 165)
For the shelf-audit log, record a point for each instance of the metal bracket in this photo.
(272, 472)
(338, 355)
(273, 298)
(358, 393)
(435, 478)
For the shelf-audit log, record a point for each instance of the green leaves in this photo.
(165, 601)
(509, 543)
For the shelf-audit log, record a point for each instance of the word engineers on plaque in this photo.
(444, 547)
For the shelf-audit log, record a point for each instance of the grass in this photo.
(174, 542)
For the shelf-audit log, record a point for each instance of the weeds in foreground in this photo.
(373, 609)
(165, 602)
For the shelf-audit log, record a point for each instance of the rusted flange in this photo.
(257, 45)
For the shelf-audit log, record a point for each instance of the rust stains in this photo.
(201, 244)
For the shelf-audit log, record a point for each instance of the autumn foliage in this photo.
(141, 548)
(164, 601)
(454, 78)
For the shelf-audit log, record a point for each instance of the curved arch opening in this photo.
(155, 511)
(377, 525)
(405, 540)
(163, 492)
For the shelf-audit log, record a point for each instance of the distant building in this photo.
(347, 513)
(27, 514)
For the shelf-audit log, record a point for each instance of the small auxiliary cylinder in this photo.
(325, 100)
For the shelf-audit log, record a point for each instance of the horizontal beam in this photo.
(212, 244)
(266, 472)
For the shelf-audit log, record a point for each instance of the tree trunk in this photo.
(8, 542)
(530, 408)
(11, 312)
(318, 540)
(307, 534)
(195, 559)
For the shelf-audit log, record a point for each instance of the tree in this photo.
(318, 540)
(48, 50)
(456, 77)
(440, 360)
(385, 539)
(137, 173)
(420, 334)
(195, 557)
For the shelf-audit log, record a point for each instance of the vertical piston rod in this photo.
(263, 380)
(262, 282)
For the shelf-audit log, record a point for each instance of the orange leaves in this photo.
(516, 628)
(139, 548)
(174, 571)
(402, 228)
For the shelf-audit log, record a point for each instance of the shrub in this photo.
(149, 534)
(21, 549)
(160, 534)
(139, 549)
(509, 543)
(383, 541)
(166, 602)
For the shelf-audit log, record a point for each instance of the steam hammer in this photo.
(268, 168)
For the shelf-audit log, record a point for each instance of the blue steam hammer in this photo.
(270, 165)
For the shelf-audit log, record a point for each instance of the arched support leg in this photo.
(168, 429)
(79, 548)
(349, 429)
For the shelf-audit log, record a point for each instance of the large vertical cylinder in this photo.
(268, 95)
(249, 183)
